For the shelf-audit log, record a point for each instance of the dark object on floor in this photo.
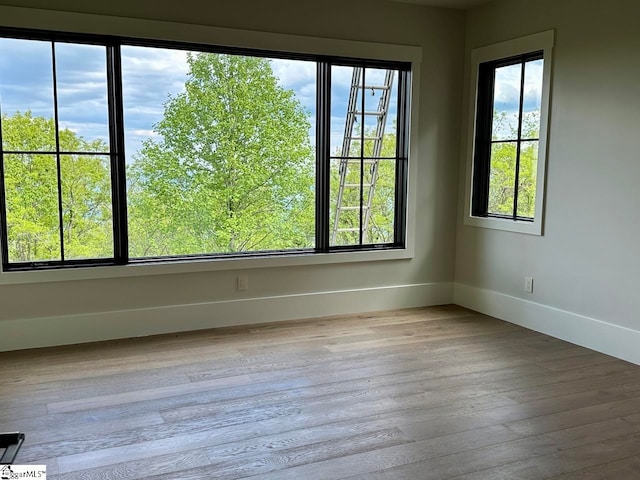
(11, 443)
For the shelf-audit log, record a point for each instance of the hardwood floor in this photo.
(431, 393)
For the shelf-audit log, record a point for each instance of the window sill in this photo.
(196, 266)
(506, 224)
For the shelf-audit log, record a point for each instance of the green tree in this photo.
(31, 192)
(503, 165)
(232, 169)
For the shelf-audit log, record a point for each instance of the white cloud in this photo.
(143, 60)
(294, 73)
(150, 76)
(508, 82)
(533, 85)
(507, 87)
(88, 130)
(341, 77)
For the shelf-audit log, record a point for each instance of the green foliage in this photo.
(31, 187)
(503, 166)
(233, 167)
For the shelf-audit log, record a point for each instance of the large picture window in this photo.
(120, 151)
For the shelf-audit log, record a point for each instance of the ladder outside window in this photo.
(364, 162)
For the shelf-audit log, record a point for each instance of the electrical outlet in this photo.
(528, 284)
(242, 282)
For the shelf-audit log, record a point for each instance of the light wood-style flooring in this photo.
(430, 393)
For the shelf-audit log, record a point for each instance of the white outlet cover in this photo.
(243, 282)
(528, 284)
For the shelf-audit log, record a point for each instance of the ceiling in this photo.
(462, 4)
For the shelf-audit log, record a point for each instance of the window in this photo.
(363, 157)
(121, 151)
(509, 140)
(226, 163)
(57, 195)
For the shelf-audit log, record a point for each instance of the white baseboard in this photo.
(26, 333)
(614, 340)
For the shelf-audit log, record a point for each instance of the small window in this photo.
(509, 138)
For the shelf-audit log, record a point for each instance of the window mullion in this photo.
(117, 155)
(57, 140)
(3, 204)
(519, 144)
(323, 147)
(362, 134)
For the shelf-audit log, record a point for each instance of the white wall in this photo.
(584, 265)
(74, 311)
(587, 262)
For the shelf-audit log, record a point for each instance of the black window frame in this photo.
(483, 140)
(324, 63)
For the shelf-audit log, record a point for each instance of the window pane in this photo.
(31, 193)
(502, 178)
(219, 152)
(527, 179)
(381, 223)
(391, 129)
(26, 95)
(347, 229)
(380, 118)
(81, 74)
(86, 207)
(346, 103)
(506, 102)
(532, 99)
(376, 122)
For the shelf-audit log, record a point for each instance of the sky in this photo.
(507, 94)
(150, 77)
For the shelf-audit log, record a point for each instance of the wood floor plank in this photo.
(533, 418)
(75, 367)
(426, 393)
(583, 361)
(105, 427)
(579, 414)
(616, 470)
(237, 426)
(416, 461)
(452, 367)
(289, 464)
(533, 449)
(57, 421)
(279, 460)
(147, 394)
(138, 469)
(50, 392)
(607, 459)
(10, 413)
